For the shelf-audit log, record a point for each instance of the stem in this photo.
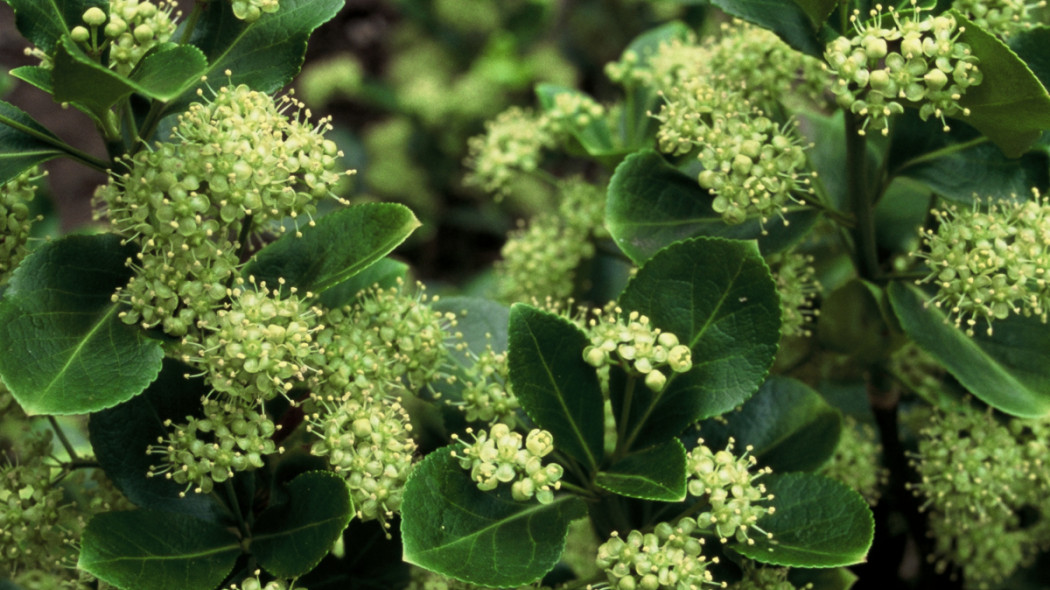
(153, 117)
(625, 412)
(944, 151)
(63, 439)
(861, 201)
(235, 507)
(79, 155)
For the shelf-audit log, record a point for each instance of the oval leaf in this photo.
(785, 18)
(789, 425)
(1010, 105)
(555, 386)
(340, 245)
(1009, 370)
(291, 538)
(717, 297)
(651, 205)
(818, 522)
(451, 527)
(63, 350)
(656, 473)
(150, 550)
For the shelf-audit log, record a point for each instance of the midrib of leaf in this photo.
(592, 463)
(179, 557)
(627, 476)
(83, 342)
(285, 532)
(387, 246)
(472, 537)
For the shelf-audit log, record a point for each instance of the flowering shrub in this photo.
(794, 269)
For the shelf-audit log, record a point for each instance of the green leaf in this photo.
(651, 205)
(1010, 105)
(23, 142)
(451, 527)
(656, 473)
(63, 350)
(552, 382)
(786, 19)
(838, 578)
(151, 550)
(44, 22)
(828, 155)
(1030, 46)
(122, 435)
(290, 539)
(265, 54)
(717, 297)
(818, 522)
(1009, 370)
(163, 74)
(789, 425)
(818, 11)
(340, 245)
(37, 76)
(981, 169)
(385, 272)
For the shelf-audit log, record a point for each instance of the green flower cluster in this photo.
(427, 580)
(857, 460)
(766, 578)
(978, 474)
(233, 435)
(502, 456)
(251, 10)
(916, 59)
(15, 221)
(669, 557)
(540, 260)
(990, 263)
(129, 30)
(513, 143)
(367, 439)
(485, 390)
(728, 484)
(798, 288)
(237, 165)
(634, 344)
(254, 582)
(31, 512)
(1000, 17)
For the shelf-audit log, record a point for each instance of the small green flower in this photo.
(729, 486)
(501, 456)
(252, 10)
(15, 220)
(670, 557)
(635, 345)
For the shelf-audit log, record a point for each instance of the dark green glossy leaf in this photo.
(784, 18)
(22, 143)
(291, 538)
(1030, 46)
(63, 350)
(1009, 370)
(718, 297)
(652, 204)
(1010, 105)
(789, 425)
(818, 522)
(981, 169)
(656, 473)
(370, 559)
(818, 11)
(44, 22)
(265, 54)
(165, 73)
(151, 550)
(340, 245)
(451, 527)
(385, 272)
(121, 436)
(555, 386)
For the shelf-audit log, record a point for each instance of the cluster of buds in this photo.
(540, 261)
(728, 484)
(15, 220)
(513, 143)
(427, 580)
(915, 58)
(502, 456)
(258, 348)
(367, 440)
(991, 263)
(798, 288)
(1000, 17)
(254, 582)
(572, 110)
(669, 557)
(857, 460)
(977, 472)
(251, 10)
(232, 436)
(637, 346)
(485, 390)
(766, 578)
(752, 165)
(129, 30)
